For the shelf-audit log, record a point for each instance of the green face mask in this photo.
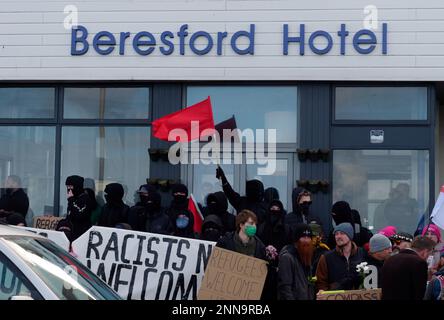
(250, 230)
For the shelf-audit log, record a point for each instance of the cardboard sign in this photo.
(46, 222)
(373, 294)
(58, 237)
(233, 276)
(144, 266)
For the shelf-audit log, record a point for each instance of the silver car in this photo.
(34, 268)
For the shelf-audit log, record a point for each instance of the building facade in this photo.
(352, 90)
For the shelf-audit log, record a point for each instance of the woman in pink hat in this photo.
(432, 232)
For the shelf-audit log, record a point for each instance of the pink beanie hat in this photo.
(433, 229)
(388, 231)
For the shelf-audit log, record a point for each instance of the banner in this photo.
(46, 222)
(57, 237)
(373, 294)
(233, 276)
(144, 266)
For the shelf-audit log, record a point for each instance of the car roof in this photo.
(8, 230)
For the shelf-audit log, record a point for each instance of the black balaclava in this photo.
(114, 193)
(180, 202)
(212, 228)
(271, 194)
(304, 207)
(146, 188)
(275, 215)
(342, 212)
(77, 183)
(295, 198)
(217, 203)
(254, 190)
(153, 203)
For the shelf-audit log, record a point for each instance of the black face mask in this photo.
(180, 200)
(213, 207)
(305, 207)
(143, 199)
(151, 207)
(274, 218)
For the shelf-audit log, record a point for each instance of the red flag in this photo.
(200, 112)
(198, 218)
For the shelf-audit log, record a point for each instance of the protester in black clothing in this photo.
(179, 202)
(184, 224)
(341, 213)
(148, 215)
(273, 231)
(301, 200)
(79, 206)
(362, 234)
(217, 204)
(114, 211)
(212, 228)
(14, 199)
(253, 199)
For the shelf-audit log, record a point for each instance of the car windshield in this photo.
(61, 272)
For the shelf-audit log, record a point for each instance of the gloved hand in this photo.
(221, 175)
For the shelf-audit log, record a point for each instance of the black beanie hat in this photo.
(301, 230)
(114, 191)
(179, 188)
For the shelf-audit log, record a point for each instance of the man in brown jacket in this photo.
(337, 268)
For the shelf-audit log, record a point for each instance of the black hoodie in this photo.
(148, 215)
(253, 199)
(15, 201)
(273, 231)
(187, 232)
(114, 211)
(217, 204)
(212, 228)
(296, 217)
(79, 207)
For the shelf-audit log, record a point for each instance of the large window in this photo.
(100, 133)
(381, 103)
(106, 103)
(27, 103)
(387, 187)
(105, 155)
(28, 152)
(253, 107)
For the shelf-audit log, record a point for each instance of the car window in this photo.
(61, 272)
(13, 282)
